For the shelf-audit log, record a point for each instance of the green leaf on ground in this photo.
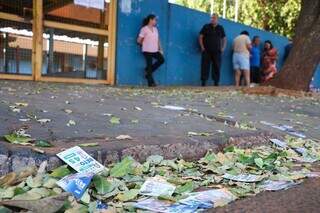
(115, 120)
(102, 185)
(155, 159)
(18, 139)
(60, 172)
(128, 195)
(123, 168)
(188, 187)
(43, 143)
(34, 182)
(259, 162)
(88, 144)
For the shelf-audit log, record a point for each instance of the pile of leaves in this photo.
(118, 186)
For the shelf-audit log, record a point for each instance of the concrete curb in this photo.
(18, 160)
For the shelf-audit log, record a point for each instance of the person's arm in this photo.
(201, 43)
(160, 47)
(141, 36)
(201, 38)
(140, 40)
(223, 44)
(223, 40)
(249, 44)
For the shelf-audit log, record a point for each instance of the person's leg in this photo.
(159, 61)
(236, 68)
(245, 68)
(246, 74)
(216, 65)
(205, 66)
(237, 77)
(148, 58)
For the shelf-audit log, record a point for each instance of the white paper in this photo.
(279, 143)
(249, 178)
(155, 187)
(209, 199)
(270, 185)
(176, 108)
(80, 161)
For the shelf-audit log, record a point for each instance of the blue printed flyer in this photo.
(76, 184)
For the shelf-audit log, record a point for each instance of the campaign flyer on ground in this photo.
(80, 161)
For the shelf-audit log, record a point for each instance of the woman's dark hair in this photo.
(255, 38)
(147, 19)
(244, 33)
(270, 43)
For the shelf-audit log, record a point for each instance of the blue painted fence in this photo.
(179, 29)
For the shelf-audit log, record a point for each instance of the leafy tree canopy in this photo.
(278, 16)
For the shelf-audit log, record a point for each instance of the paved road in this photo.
(91, 105)
(304, 198)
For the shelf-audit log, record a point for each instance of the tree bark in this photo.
(304, 57)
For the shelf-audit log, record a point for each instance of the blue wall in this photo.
(179, 29)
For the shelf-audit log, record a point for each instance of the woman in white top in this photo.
(151, 48)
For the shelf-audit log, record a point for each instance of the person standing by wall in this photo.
(269, 61)
(213, 42)
(241, 57)
(255, 59)
(151, 47)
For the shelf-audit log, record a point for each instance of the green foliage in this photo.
(277, 16)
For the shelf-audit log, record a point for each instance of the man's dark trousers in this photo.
(152, 67)
(212, 59)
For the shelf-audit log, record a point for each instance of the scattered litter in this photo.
(68, 111)
(15, 109)
(285, 128)
(137, 108)
(21, 104)
(44, 120)
(279, 143)
(312, 174)
(24, 119)
(38, 150)
(270, 185)
(80, 161)
(245, 126)
(107, 114)
(249, 178)
(155, 205)
(170, 107)
(206, 134)
(156, 187)
(76, 184)
(124, 137)
(209, 199)
(71, 123)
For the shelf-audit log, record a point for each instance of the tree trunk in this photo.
(304, 57)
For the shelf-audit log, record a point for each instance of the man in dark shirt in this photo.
(213, 42)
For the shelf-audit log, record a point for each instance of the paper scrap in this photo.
(249, 178)
(76, 184)
(156, 187)
(270, 185)
(80, 161)
(209, 199)
(176, 108)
